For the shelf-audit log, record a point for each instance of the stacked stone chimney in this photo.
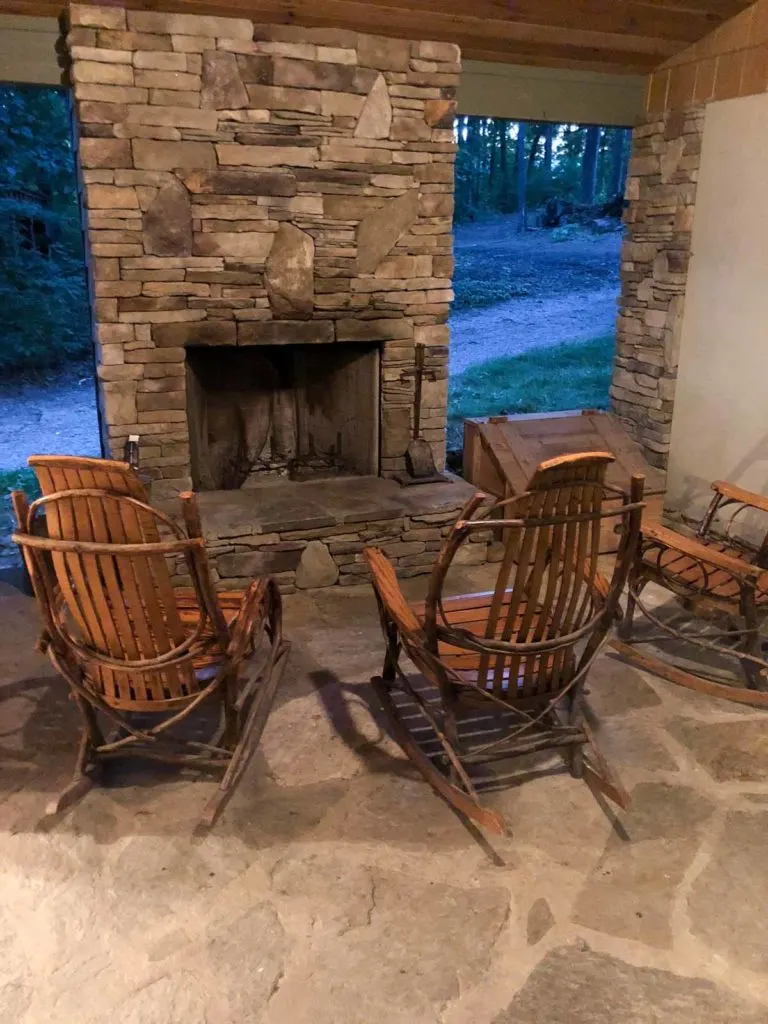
(254, 185)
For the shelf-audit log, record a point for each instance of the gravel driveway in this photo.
(522, 324)
(571, 289)
(55, 417)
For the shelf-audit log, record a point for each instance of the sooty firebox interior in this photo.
(294, 410)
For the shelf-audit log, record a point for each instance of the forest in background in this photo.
(43, 291)
(544, 173)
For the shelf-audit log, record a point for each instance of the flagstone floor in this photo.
(338, 889)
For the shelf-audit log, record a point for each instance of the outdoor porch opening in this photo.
(537, 239)
(47, 379)
(295, 411)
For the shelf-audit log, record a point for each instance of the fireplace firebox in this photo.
(295, 411)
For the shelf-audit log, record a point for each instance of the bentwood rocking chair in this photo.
(138, 660)
(721, 586)
(502, 673)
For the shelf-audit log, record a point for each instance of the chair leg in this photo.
(231, 716)
(575, 753)
(627, 624)
(82, 776)
(576, 760)
(757, 677)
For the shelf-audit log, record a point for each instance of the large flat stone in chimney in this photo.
(240, 183)
(285, 332)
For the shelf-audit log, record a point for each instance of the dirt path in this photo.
(567, 290)
(522, 324)
(58, 416)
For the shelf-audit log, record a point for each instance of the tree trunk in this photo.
(504, 166)
(589, 165)
(549, 134)
(521, 169)
(473, 134)
(493, 136)
(618, 161)
(534, 148)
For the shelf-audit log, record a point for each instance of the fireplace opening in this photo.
(295, 411)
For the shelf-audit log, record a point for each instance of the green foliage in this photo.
(575, 375)
(21, 479)
(43, 294)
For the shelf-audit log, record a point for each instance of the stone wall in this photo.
(256, 185)
(661, 190)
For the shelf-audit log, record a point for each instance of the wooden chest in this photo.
(520, 443)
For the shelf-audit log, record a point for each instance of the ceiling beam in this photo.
(632, 36)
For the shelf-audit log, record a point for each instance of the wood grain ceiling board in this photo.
(611, 35)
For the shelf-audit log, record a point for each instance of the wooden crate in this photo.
(502, 452)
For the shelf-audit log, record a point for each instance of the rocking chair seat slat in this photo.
(700, 576)
(470, 612)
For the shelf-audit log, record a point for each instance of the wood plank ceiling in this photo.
(631, 36)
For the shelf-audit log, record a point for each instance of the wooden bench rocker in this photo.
(721, 586)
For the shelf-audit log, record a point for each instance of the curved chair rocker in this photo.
(114, 629)
(505, 670)
(722, 585)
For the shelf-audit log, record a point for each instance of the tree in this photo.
(589, 165)
(618, 161)
(521, 172)
(43, 295)
(549, 133)
(504, 195)
(548, 163)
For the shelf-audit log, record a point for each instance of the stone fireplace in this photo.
(269, 223)
(269, 218)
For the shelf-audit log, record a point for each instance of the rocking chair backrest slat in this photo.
(547, 598)
(56, 473)
(112, 605)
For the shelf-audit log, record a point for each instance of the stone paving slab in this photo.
(338, 888)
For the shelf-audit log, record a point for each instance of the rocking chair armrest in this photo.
(667, 538)
(387, 587)
(733, 493)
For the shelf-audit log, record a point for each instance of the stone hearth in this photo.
(261, 186)
(312, 534)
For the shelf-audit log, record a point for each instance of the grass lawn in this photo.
(575, 375)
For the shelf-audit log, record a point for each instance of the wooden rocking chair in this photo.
(505, 670)
(722, 586)
(134, 656)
